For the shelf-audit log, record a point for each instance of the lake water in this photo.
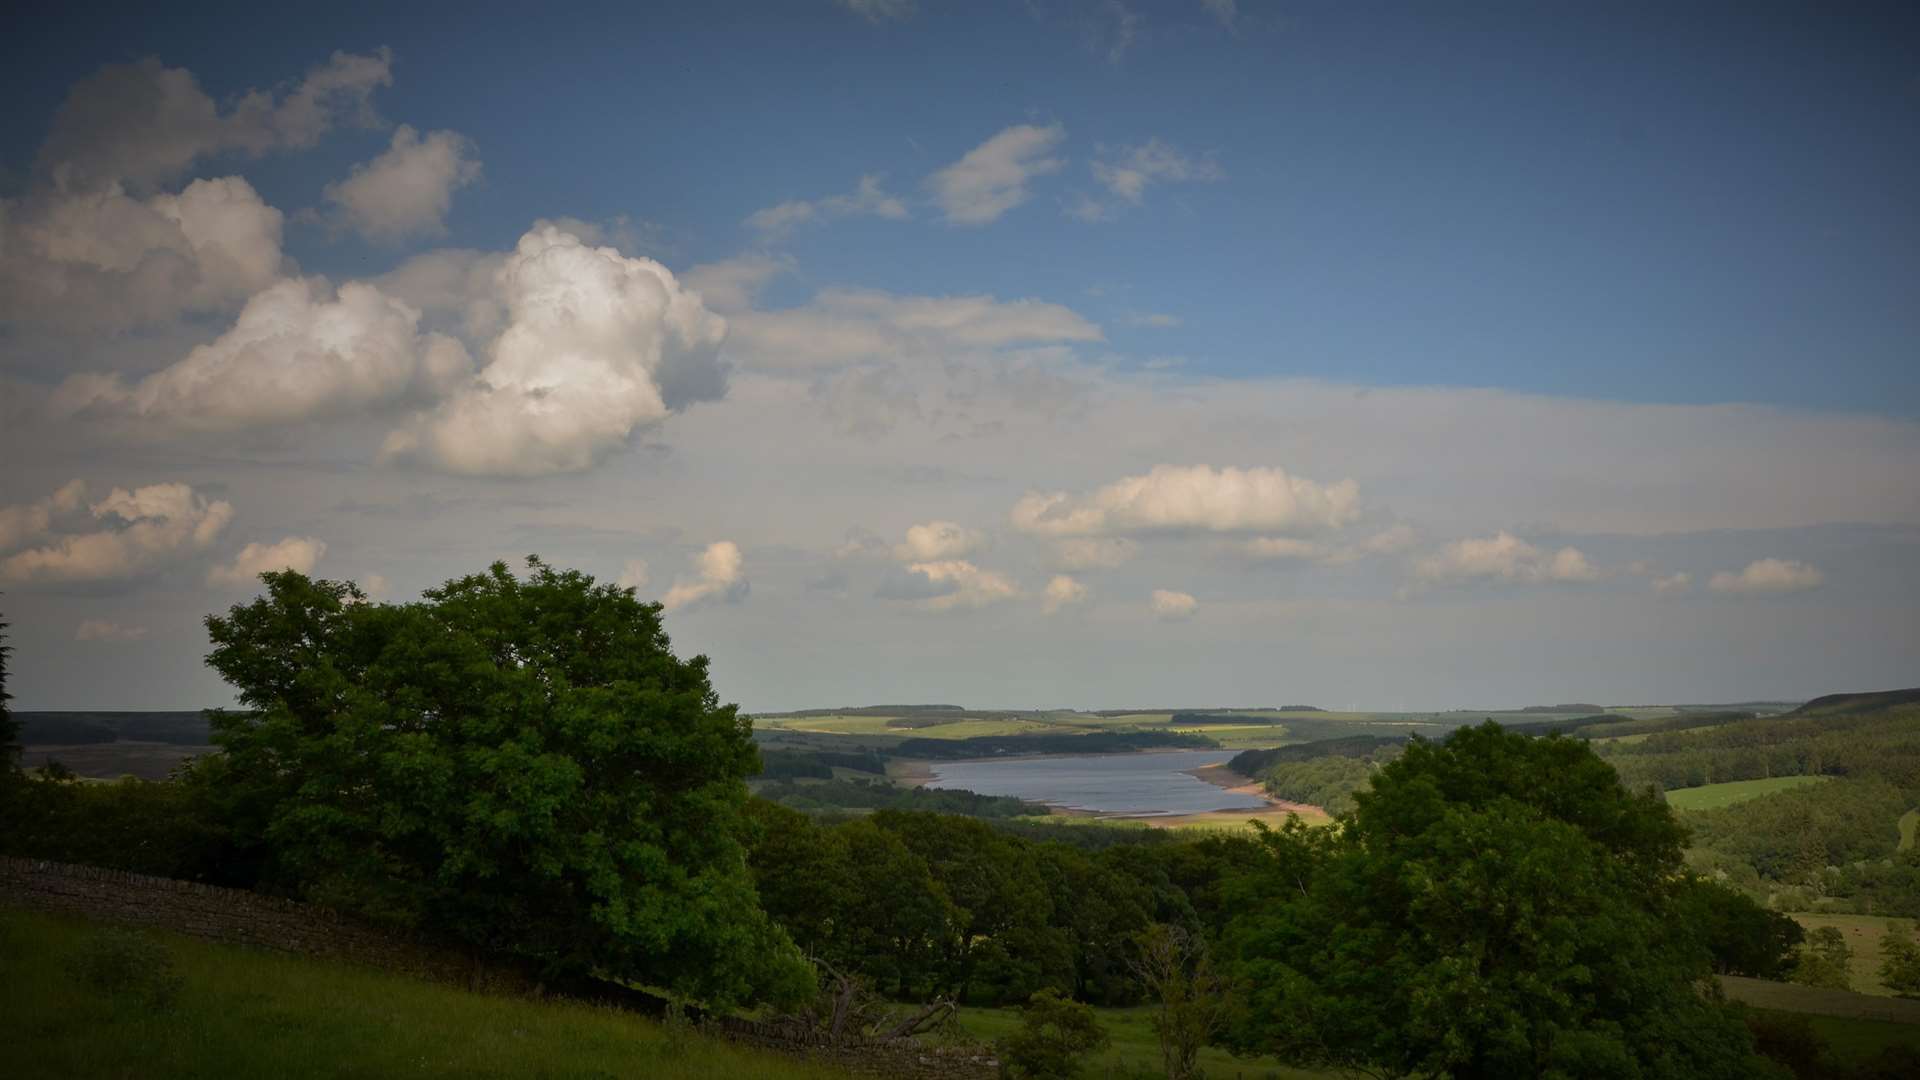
(1144, 785)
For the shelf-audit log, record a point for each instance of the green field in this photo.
(1909, 826)
(249, 1013)
(1715, 796)
(1863, 934)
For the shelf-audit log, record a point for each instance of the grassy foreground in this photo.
(250, 1013)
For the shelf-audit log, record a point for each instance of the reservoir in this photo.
(1135, 785)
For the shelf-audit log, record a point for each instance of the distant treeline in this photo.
(1096, 742)
(1609, 725)
(1256, 762)
(792, 764)
(1324, 773)
(187, 728)
(876, 795)
(867, 710)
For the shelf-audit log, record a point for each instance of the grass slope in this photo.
(1909, 826)
(248, 1013)
(1715, 796)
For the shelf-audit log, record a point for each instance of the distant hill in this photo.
(1871, 701)
(181, 728)
(1576, 707)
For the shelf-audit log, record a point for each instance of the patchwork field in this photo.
(1715, 796)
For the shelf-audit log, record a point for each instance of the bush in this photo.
(126, 964)
(1054, 1034)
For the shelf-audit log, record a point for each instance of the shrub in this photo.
(126, 964)
(1054, 1034)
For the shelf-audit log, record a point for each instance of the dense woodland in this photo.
(520, 766)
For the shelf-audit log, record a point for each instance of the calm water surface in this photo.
(1147, 785)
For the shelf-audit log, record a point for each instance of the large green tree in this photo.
(1496, 906)
(520, 762)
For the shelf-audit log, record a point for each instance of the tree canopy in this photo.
(1495, 906)
(520, 762)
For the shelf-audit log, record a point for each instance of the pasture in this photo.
(246, 1012)
(1715, 796)
(1863, 934)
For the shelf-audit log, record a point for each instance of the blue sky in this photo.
(1641, 282)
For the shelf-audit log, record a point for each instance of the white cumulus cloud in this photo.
(1172, 606)
(27, 523)
(935, 541)
(297, 553)
(298, 351)
(966, 585)
(1504, 557)
(408, 189)
(1174, 498)
(597, 345)
(991, 179)
(1061, 592)
(103, 259)
(720, 576)
(135, 531)
(1768, 576)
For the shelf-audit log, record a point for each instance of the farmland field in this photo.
(1715, 796)
(1863, 934)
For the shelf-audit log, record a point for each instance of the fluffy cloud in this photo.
(1061, 592)
(597, 344)
(1504, 557)
(408, 189)
(1128, 172)
(298, 351)
(107, 630)
(1175, 498)
(992, 178)
(1768, 576)
(721, 576)
(1172, 606)
(296, 553)
(145, 123)
(1094, 552)
(964, 585)
(634, 575)
(29, 522)
(142, 529)
(102, 259)
(453, 288)
(936, 541)
(868, 199)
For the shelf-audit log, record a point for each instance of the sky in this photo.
(1065, 353)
